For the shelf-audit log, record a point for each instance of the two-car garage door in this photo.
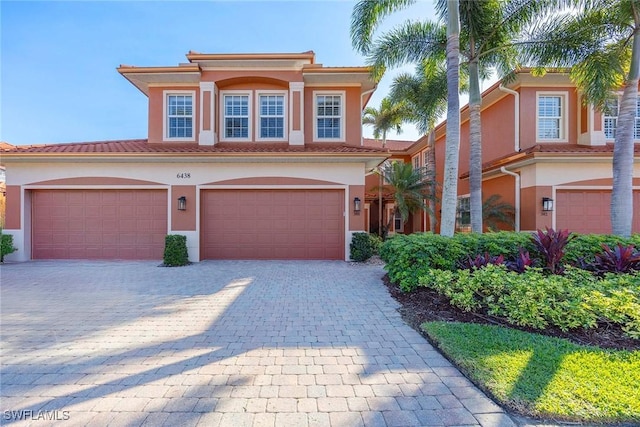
(98, 224)
(272, 224)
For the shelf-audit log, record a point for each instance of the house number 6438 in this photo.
(183, 175)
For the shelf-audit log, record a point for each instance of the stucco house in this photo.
(251, 156)
(544, 152)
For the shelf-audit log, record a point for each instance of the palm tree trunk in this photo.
(452, 143)
(475, 147)
(622, 193)
(430, 167)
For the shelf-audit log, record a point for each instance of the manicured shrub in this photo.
(6, 245)
(363, 246)
(505, 243)
(175, 250)
(537, 300)
(617, 300)
(410, 256)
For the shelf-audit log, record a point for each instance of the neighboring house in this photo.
(544, 152)
(251, 156)
(379, 204)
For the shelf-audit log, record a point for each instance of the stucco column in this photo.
(590, 126)
(296, 113)
(207, 134)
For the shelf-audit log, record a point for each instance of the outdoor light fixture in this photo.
(547, 204)
(182, 203)
(356, 205)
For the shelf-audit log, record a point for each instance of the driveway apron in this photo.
(228, 343)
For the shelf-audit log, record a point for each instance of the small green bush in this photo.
(409, 257)
(6, 245)
(175, 250)
(363, 246)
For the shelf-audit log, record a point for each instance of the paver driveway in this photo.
(227, 343)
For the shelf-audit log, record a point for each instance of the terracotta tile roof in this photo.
(140, 146)
(574, 148)
(564, 150)
(392, 144)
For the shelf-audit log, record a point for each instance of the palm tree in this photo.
(408, 187)
(602, 45)
(489, 32)
(425, 96)
(366, 16)
(452, 141)
(388, 118)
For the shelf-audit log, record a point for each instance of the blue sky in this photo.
(58, 59)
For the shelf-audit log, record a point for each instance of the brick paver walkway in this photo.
(227, 343)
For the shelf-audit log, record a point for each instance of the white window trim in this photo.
(343, 109)
(460, 227)
(618, 96)
(223, 129)
(416, 161)
(165, 114)
(285, 110)
(564, 117)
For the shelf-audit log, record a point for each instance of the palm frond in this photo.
(410, 42)
(367, 15)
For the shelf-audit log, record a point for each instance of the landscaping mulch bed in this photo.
(424, 305)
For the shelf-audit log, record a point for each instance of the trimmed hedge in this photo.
(408, 257)
(534, 299)
(363, 246)
(175, 250)
(6, 245)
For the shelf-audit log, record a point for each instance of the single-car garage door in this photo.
(272, 224)
(98, 224)
(589, 211)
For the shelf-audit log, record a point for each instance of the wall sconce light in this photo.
(356, 205)
(547, 204)
(182, 203)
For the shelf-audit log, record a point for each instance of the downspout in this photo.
(517, 195)
(362, 95)
(516, 114)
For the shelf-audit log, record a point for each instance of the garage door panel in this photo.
(99, 224)
(272, 224)
(589, 211)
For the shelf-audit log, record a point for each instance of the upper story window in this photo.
(178, 118)
(271, 122)
(611, 118)
(416, 162)
(329, 116)
(551, 116)
(235, 121)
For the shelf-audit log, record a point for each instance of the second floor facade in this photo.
(253, 99)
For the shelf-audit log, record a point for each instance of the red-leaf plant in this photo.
(551, 244)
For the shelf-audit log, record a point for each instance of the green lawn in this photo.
(544, 376)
